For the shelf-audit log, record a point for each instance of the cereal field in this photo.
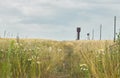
(37, 58)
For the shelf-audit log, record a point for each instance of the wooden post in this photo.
(88, 36)
(93, 34)
(17, 38)
(100, 31)
(114, 28)
(4, 33)
(78, 33)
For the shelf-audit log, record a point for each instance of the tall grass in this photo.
(54, 59)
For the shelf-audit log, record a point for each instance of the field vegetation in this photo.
(35, 58)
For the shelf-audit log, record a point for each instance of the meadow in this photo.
(37, 58)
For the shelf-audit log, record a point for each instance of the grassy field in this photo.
(34, 58)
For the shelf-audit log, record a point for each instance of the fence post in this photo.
(78, 33)
(4, 33)
(100, 31)
(88, 36)
(93, 34)
(114, 28)
(17, 38)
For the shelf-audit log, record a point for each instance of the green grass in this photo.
(33, 58)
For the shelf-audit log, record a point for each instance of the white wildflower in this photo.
(84, 69)
(81, 65)
(20, 44)
(29, 59)
(16, 44)
(59, 50)
(30, 49)
(33, 57)
(101, 51)
(38, 62)
(38, 48)
(50, 49)
(2, 50)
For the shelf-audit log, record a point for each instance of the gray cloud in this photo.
(50, 18)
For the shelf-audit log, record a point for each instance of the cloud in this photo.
(53, 17)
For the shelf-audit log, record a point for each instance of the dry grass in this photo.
(34, 58)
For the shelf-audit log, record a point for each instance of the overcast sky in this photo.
(58, 19)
